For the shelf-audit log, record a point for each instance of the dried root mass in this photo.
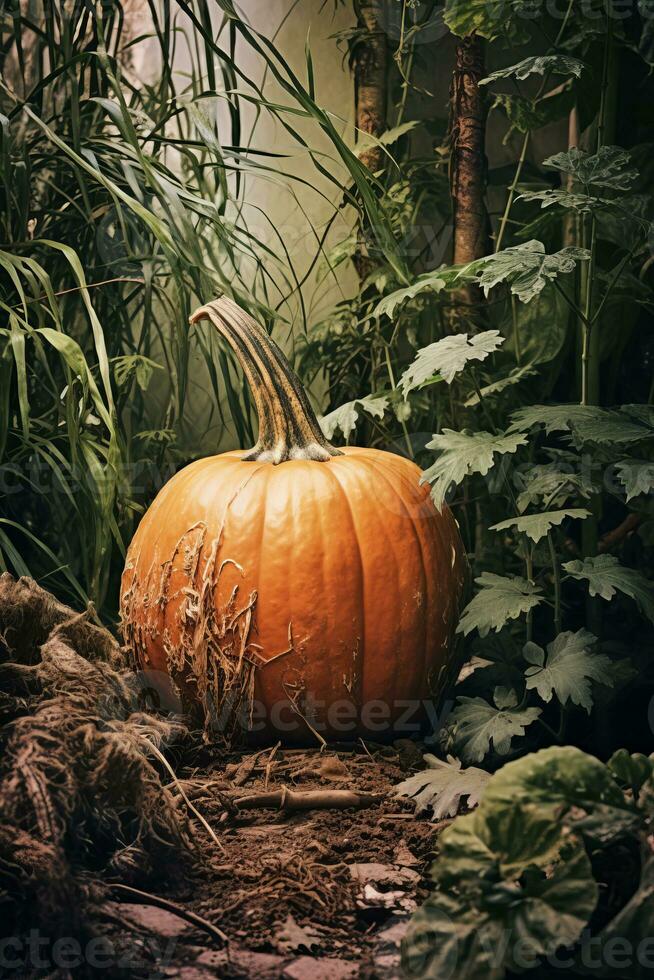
(82, 795)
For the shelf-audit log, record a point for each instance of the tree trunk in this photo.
(370, 59)
(370, 64)
(468, 171)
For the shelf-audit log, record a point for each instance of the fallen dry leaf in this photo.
(292, 937)
(384, 874)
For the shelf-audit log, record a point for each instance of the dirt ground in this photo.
(319, 894)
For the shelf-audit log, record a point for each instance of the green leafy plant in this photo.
(521, 878)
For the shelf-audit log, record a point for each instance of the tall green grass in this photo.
(122, 206)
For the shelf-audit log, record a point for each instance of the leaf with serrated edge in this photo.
(477, 725)
(606, 576)
(636, 476)
(430, 282)
(568, 669)
(443, 786)
(609, 167)
(551, 483)
(554, 64)
(464, 453)
(345, 417)
(587, 423)
(526, 268)
(500, 599)
(449, 356)
(538, 526)
(584, 203)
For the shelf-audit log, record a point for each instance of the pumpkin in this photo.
(296, 587)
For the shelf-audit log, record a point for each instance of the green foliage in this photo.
(610, 167)
(448, 357)
(567, 669)
(637, 476)
(501, 19)
(526, 268)
(346, 416)
(464, 453)
(476, 726)
(429, 281)
(606, 576)
(547, 64)
(443, 787)
(525, 874)
(499, 600)
(538, 526)
(585, 423)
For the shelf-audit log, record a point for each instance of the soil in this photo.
(320, 894)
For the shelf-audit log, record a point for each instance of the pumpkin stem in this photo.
(288, 427)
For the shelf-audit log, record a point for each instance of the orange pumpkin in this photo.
(302, 587)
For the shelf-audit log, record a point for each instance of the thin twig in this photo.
(145, 898)
(317, 799)
(194, 810)
(79, 289)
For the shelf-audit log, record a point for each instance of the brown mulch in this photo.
(310, 894)
(126, 836)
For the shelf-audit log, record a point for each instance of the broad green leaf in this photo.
(476, 726)
(560, 776)
(507, 19)
(464, 453)
(443, 786)
(346, 416)
(609, 167)
(567, 669)
(636, 476)
(633, 770)
(586, 423)
(583, 203)
(499, 600)
(606, 576)
(548, 64)
(519, 875)
(552, 485)
(538, 526)
(579, 786)
(526, 268)
(449, 356)
(428, 282)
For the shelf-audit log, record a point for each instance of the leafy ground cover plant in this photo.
(554, 862)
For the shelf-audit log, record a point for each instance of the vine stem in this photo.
(512, 189)
(391, 377)
(525, 144)
(556, 572)
(590, 354)
(529, 563)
